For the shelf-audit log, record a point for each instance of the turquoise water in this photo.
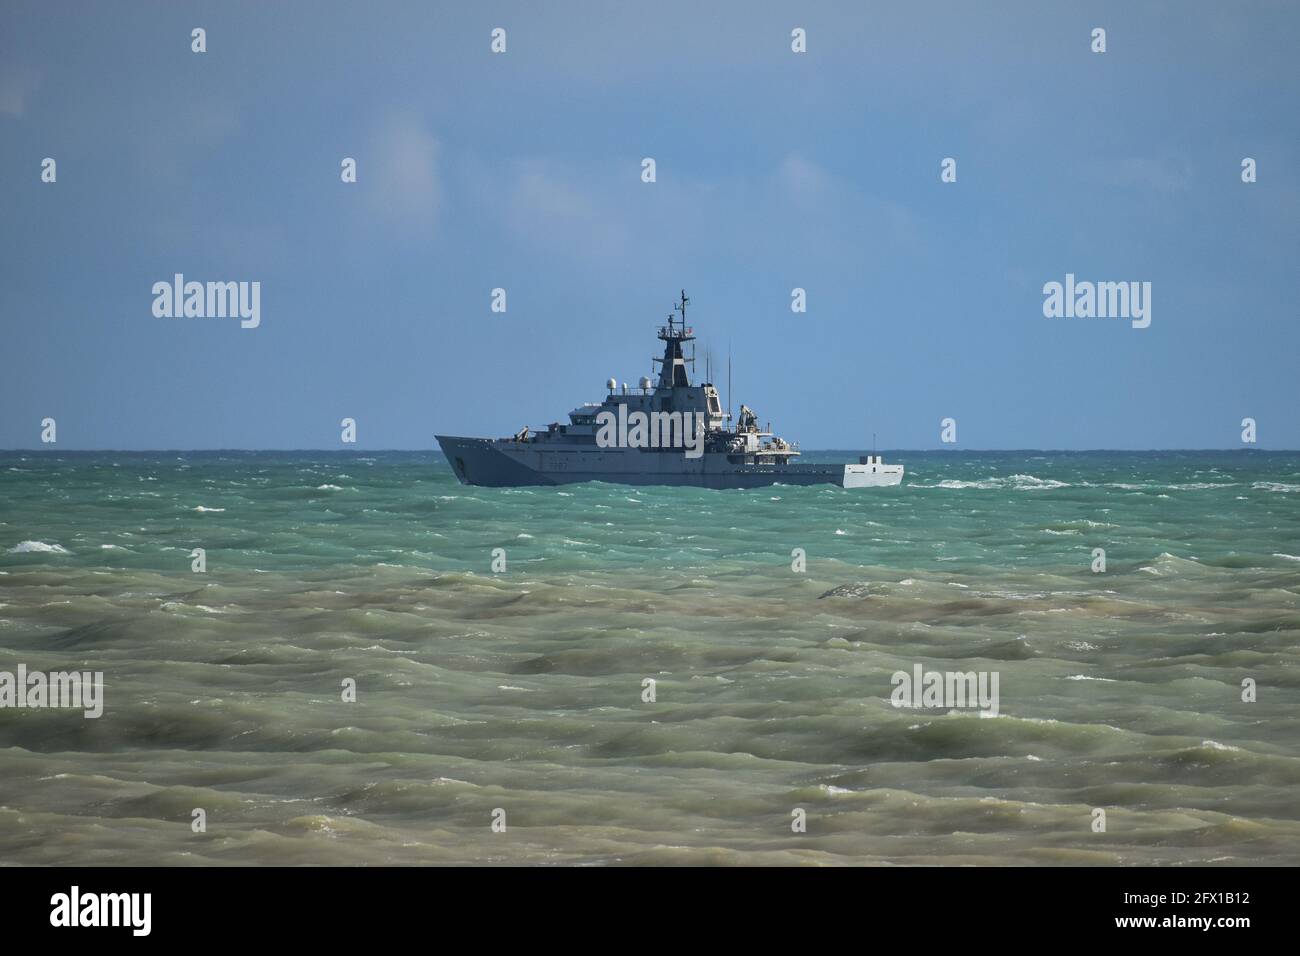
(522, 690)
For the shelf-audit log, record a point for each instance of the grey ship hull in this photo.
(503, 463)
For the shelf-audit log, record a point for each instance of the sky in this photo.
(774, 170)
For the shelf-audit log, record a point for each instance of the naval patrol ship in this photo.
(667, 433)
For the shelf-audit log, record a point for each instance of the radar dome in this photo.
(611, 384)
(645, 381)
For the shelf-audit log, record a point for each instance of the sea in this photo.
(350, 658)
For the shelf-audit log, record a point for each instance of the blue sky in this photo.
(774, 170)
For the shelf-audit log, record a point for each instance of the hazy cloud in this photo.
(1170, 174)
(16, 85)
(400, 172)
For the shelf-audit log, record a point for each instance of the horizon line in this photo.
(438, 451)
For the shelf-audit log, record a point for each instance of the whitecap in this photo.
(1277, 486)
(1032, 483)
(1215, 745)
(35, 547)
(1014, 482)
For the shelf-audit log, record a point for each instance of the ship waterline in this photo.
(506, 463)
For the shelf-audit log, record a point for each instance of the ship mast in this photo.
(674, 334)
(681, 307)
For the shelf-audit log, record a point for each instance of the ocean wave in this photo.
(1013, 482)
(201, 509)
(169, 605)
(1032, 483)
(37, 547)
(1275, 486)
(1158, 486)
(1215, 745)
(1166, 563)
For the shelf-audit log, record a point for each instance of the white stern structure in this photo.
(870, 472)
